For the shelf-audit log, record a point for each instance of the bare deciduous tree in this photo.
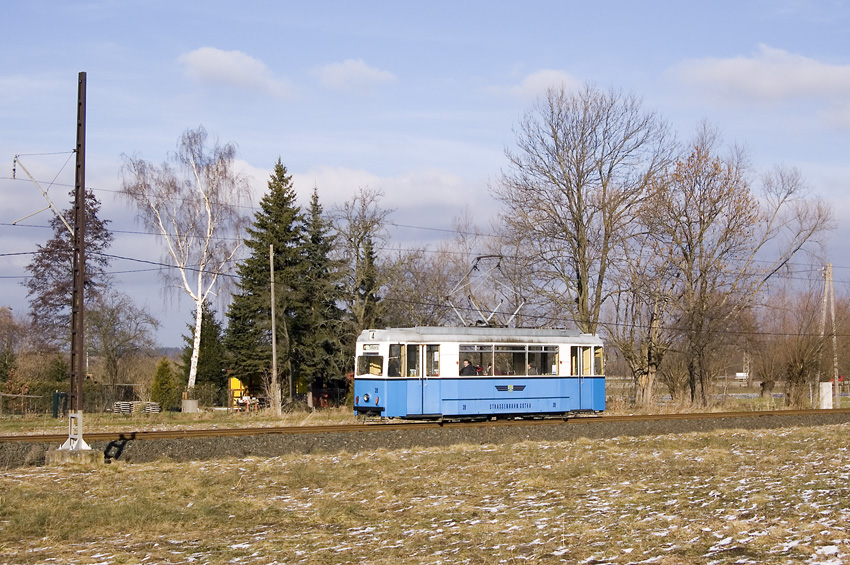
(465, 280)
(674, 375)
(647, 280)
(361, 227)
(15, 333)
(521, 280)
(118, 332)
(582, 167)
(478, 287)
(792, 346)
(417, 285)
(725, 242)
(193, 204)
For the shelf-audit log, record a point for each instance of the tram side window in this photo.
(535, 362)
(598, 361)
(412, 361)
(509, 360)
(479, 355)
(432, 360)
(396, 361)
(370, 365)
(542, 360)
(550, 359)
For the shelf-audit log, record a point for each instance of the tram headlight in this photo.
(366, 398)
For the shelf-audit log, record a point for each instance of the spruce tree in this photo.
(165, 389)
(368, 311)
(322, 347)
(278, 222)
(212, 358)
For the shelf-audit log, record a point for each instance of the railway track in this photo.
(177, 434)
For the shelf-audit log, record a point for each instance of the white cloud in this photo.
(233, 68)
(353, 75)
(409, 190)
(428, 199)
(770, 75)
(537, 83)
(258, 178)
(423, 202)
(335, 184)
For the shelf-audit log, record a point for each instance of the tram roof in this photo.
(477, 334)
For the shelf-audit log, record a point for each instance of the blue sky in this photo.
(415, 99)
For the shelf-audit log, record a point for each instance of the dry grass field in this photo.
(210, 419)
(46, 424)
(770, 496)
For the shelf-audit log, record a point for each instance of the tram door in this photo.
(423, 386)
(582, 366)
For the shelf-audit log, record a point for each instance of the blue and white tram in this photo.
(419, 372)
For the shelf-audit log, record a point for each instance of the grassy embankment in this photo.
(736, 399)
(46, 424)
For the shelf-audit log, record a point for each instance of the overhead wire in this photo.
(384, 247)
(72, 151)
(801, 267)
(806, 268)
(549, 319)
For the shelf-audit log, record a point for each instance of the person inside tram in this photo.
(467, 370)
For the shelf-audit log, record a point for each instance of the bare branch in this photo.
(582, 168)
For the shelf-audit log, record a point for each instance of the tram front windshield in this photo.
(370, 365)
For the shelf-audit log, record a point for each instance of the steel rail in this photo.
(405, 425)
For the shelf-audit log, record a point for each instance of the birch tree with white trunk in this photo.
(194, 203)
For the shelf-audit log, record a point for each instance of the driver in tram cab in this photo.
(468, 370)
